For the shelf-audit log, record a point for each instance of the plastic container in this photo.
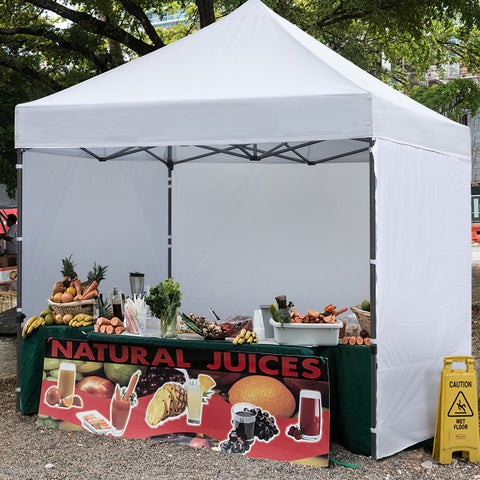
(322, 334)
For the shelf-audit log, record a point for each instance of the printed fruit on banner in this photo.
(99, 386)
(170, 400)
(121, 372)
(206, 382)
(265, 392)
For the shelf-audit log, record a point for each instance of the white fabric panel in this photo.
(423, 285)
(112, 213)
(250, 77)
(243, 234)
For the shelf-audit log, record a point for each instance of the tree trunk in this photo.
(206, 12)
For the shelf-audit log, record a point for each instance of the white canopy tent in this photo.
(240, 113)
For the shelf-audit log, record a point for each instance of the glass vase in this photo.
(168, 325)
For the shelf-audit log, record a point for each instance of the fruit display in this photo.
(245, 337)
(283, 313)
(70, 289)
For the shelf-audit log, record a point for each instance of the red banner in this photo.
(259, 405)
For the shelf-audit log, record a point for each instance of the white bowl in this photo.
(321, 334)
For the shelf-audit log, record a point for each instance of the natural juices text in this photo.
(194, 402)
(310, 415)
(66, 380)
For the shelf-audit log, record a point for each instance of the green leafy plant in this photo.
(164, 300)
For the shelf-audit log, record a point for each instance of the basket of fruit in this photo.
(70, 296)
(362, 312)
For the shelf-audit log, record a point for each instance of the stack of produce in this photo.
(70, 289)
(283, 313)
(110, 326)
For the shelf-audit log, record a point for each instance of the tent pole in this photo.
(170, 170)
(373, 327)
(19, 315)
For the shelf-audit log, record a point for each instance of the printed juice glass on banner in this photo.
(194, 402)
(119, 415)
(66, 383)
(310, 414)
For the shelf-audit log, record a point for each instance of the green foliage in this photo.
(451, 99)
(164, 299)
(48, 45)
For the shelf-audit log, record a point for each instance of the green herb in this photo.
(164, 299)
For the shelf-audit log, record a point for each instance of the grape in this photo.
(155, 377)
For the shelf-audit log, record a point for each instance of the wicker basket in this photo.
(363, 318)
(84, 306)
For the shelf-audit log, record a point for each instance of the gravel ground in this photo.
(28, 451)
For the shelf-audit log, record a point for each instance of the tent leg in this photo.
(19, 315)
(169, 210)
(373, 330)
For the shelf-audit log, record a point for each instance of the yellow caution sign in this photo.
(457, 413)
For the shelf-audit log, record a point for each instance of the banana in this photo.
(29, 322)
(248, 335)
(34, 324)
(250, 339)
(241, 340)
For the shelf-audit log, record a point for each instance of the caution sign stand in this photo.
(457, 413)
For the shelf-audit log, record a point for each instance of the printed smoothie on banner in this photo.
(253, 404)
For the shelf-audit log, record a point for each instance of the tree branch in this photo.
(96, 26)
(33, 74)
(46, 32)
(140, 15)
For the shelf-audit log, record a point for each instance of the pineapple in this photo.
(104, 308)
(68, 270)
(97, 273)
(179, 394)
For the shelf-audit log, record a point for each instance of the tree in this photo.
(48, 45)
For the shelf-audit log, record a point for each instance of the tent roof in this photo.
(251, 77)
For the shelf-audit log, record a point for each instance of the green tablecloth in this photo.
(349, 371)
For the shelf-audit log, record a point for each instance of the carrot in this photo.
(366, 341)
(345, 340)
(90, 295)
(96, 327)
(109, 329)
(338, 312)
(119, 330)
(117, 392)
(78, 287)
(92, 286)
(103, 328)
(352, 340)
(132, 384)
(359, 340)
(103, 321)
(116, 322)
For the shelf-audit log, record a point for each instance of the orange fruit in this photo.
(265, 392)
(206, 383)
(57, 298)
(67, 401)
(67, 297)
(72, 291)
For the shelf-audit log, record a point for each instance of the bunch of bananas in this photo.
(31, 324)
(81, 320)
(245, 337)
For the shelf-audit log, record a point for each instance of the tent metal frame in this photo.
(249, 152)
